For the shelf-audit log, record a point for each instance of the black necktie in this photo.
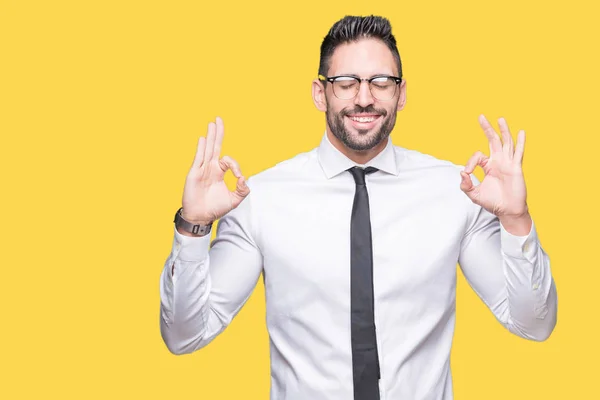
(365, 360)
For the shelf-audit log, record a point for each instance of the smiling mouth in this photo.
(363, 120)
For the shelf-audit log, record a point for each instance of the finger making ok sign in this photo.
(205, 196)
(502, 191)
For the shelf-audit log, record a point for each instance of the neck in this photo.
(360, 157)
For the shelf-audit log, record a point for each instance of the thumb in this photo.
(466, 185)
(241, 191)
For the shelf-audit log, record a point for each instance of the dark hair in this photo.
(352, 29)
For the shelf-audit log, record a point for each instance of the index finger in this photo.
(199, 158)
(495, 143)
(219, 138)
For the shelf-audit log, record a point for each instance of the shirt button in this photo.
(536, 286)
(526, 246)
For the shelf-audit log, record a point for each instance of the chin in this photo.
(362, 141)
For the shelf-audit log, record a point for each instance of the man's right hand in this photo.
(206, 198)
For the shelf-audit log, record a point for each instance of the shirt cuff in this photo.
(519, 246)
(187, 248)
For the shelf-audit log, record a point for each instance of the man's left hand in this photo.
(502, 191)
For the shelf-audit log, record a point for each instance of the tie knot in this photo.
(359, 174)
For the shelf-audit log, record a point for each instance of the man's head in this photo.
(360, 114)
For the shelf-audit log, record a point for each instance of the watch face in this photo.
(187, 226)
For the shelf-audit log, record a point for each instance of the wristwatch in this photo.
(198, 230)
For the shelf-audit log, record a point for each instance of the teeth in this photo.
(363, 119)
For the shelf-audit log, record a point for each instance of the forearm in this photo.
(184, 293)
(202, 290)
(531, 294)
(511, 273)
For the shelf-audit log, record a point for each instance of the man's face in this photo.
(363, 122)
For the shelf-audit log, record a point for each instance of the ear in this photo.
(318, 95)
(402, 99)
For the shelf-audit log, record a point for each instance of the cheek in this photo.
(392, 110)
(336, 107)
(391, 117)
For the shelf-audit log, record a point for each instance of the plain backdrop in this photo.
(101, 106)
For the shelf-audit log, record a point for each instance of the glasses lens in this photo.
(383, 88)
(345, 87)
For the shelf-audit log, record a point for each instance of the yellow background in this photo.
(101, 105)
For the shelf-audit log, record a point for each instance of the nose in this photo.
(364, 97)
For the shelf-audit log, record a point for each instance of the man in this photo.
(358, 241)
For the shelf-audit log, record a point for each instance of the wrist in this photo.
(197, 228)
(194, 219)
(186, 233)
(518, 225)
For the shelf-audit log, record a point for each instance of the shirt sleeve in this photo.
(511, 274)
(203, 285)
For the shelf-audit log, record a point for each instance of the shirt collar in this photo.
(334, 162)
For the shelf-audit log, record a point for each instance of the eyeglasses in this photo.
(345, 87)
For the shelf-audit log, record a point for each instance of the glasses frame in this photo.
(331, 79)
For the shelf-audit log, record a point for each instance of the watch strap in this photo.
(190, 227)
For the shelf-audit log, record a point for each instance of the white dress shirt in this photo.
(295, 228)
